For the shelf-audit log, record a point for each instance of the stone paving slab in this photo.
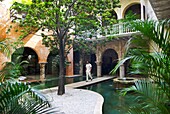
(84, 83)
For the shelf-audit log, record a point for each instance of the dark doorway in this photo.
(76, 60)
(94, 66)
(135, 10)
(109, 61)
(52, 67)
(28, 54)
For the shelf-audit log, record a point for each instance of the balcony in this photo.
(116, 30)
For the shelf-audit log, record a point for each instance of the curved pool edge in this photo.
(99, 102)
(88, 99)
(99, 105)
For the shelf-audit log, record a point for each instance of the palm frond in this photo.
(119, 64)
(155, 31)
(150, 98)
(13, 68)
(17, 98)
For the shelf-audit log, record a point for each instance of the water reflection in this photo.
(53, 82)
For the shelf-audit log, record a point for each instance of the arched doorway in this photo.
(28, 54)
(133, 12)
(76, 59)
(94, 66)
(92, 59)
(109, 60)
(52, 66)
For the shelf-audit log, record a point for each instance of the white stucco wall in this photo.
(149, 10)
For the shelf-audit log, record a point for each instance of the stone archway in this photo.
(52, 66)
(76, 60)
(94, 66)
(134, 8)
(117, 45)
(109, 60)
(29, 55)
(80, 61)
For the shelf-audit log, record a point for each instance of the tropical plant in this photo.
(150, 98)
(19, 98)
(13, 69)
(130, 16)
(149, 55)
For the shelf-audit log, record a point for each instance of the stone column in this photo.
(142, 10)
(122, 71)
(99, 68)
(81, 67)
(42, 71)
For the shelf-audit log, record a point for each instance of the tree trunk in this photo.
(61, 81)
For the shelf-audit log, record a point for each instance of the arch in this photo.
(29, 55)
(109, 60)
(134, 7)
(76, 61)
(94, 66)
(35, 42)
(112, 16)
(52, 66)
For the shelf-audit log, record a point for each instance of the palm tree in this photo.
(13, 69)
(19, 98)
(149, 55)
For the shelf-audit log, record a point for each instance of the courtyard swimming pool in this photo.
(113, 101)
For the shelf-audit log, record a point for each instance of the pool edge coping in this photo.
(99, 105)
(99, 101)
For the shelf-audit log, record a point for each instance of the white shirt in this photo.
(88, 67)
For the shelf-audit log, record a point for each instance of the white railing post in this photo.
(120, 28)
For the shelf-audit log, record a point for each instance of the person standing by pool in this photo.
(88, 71)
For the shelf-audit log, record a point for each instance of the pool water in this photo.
(53, 82)
(114, 103)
